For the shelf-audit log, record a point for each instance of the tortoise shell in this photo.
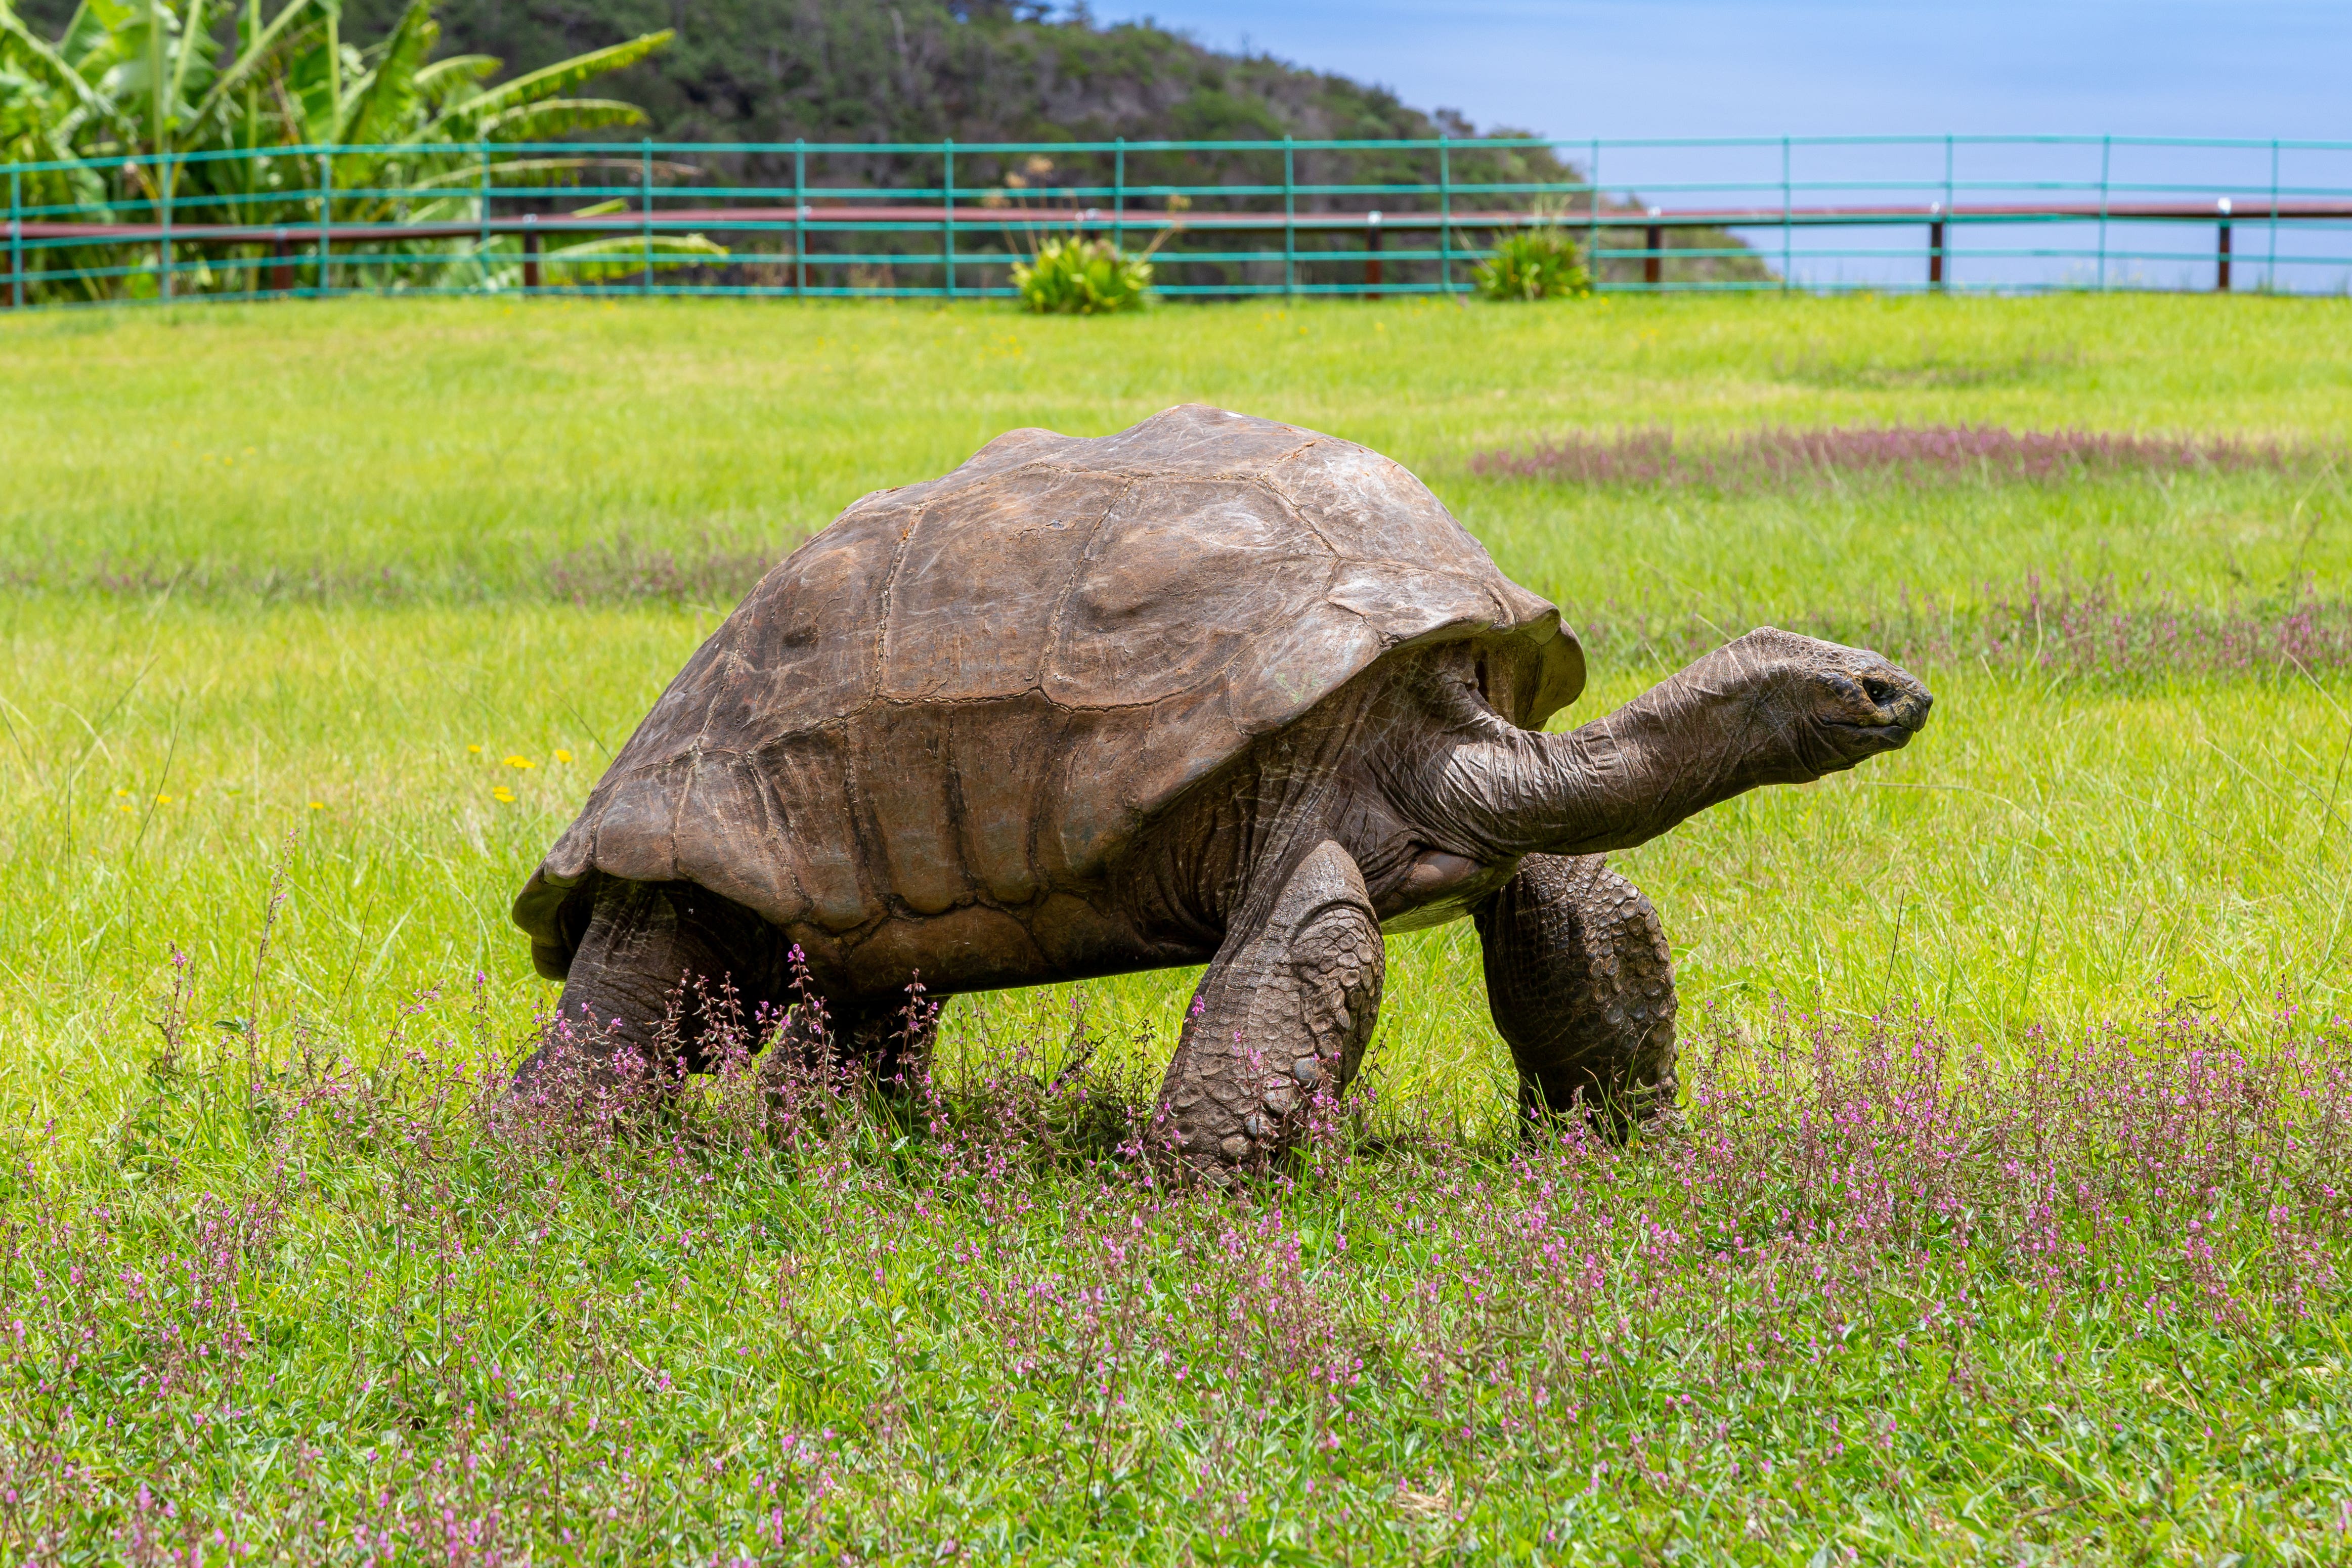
(976, 689)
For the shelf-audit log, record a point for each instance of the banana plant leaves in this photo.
(217, 110)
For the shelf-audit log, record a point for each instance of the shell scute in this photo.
(808, 774)
(1410, 604)
(1370, 507)
(982, 570)
(800, 650)
(1290, 658)
(1241, 564)
(903, 747)
(1003, 752)
(1192, 442)
(1111, 758)
(634, 835)
(736, 791)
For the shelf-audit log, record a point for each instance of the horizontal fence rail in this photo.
(1218, 219)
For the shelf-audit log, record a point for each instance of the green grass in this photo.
(460, 445)
(266, 558)
(2047, 851)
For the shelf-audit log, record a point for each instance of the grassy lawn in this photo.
(2006, 1219)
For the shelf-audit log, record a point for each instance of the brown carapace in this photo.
(1213, 689)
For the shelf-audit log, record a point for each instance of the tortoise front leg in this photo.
(1582, 989)
(1281, 1018)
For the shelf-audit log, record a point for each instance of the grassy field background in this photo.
(329, 551)
(460, 447)
(294, 594)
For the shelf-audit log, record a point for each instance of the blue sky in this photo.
(1648, 67)
(1637, 68)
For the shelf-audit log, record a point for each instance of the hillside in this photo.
(834, 71)
(918, 70)
(990, 70)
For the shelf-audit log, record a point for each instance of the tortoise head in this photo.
(1804, 705)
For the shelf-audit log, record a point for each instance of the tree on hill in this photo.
(919, 70)
(999, 70)
(834, 71)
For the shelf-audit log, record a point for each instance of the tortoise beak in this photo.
(1900, 698)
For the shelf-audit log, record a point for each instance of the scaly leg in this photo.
(648, 977)
(1582, 989)
(1281, 1018)
(892, 1043)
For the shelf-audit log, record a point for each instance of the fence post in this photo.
(1653, 243)
(1592, 217)
(1788, 225)
(799, 219)
(281, 263)
(1290, 223)
(645, 210)
(2107, 161)
(2270, 269)
(164, 251)
(531, 253)
(326, 199)
(2221, 257)
(16, 240)
(947, 220)
(1935, 248)
(1943, 257)
(1444, 216)
(1118, 196)
(1372, 250)
(482, 246)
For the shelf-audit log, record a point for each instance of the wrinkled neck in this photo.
(1680, 747)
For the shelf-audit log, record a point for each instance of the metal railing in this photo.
(1253, 217)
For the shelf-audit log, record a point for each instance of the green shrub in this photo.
(1534, 264)
(1076, 277)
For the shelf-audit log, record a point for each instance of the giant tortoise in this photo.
(1213, 689)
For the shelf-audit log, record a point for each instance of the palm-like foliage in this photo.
(216, 118)
(1076, 277)
(1541, 263)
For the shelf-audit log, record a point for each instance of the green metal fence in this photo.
(1225, 218)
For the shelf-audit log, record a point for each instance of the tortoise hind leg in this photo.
(648, 978)
(1582, 989)
(891, 1044)
(1280, 1019)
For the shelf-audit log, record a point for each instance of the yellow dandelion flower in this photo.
(121, 791)
(124, 805)
(163, 800)
(518, 761)
(317, 806)
(475, 750)
(562, 755)
(503, 795)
